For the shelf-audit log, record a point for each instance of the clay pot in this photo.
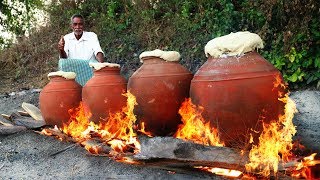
(102, 94)
(57, 97)
(160, 87)
(237, 93)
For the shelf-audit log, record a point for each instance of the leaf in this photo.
(317, 62)
(310, 79)
(293, 77)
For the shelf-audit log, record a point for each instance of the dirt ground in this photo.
(28, 155)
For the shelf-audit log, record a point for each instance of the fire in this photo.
(303, 168)
(116, 130)
(194, 127)
(78, 123)
(143, 131)
(275, 141)
(221, 171)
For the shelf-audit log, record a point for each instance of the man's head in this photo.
(77, 24)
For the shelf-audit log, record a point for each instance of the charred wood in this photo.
(172, 152)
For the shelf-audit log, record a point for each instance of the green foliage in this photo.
(125, 28)
(16, 17)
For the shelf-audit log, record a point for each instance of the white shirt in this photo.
(87, 47)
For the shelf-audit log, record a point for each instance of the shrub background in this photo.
(290, 31)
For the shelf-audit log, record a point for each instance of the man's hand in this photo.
(62, 53)
(100, 57)
(61, 44)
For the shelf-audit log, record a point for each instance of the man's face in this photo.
(77, 26)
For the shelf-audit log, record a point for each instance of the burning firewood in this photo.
(172, 151)
(56, 132)
(96, 147)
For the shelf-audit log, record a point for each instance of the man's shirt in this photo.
(86, 47)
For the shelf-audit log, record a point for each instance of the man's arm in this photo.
(62, 53)
(100, 57)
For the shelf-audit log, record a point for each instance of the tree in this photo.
(16, 16)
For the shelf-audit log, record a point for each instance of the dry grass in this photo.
(27, 63)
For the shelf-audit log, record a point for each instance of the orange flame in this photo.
(117, 127)
(275, 140)
(303, 168)
(78, 123)
(143, 131)
(221, 171)
(194, 127)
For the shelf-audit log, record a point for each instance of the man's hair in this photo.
(76, 16)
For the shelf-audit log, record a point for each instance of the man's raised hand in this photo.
(61, 44)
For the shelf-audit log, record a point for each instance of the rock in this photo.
(307, 120)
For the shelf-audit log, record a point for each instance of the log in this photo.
(56, 132)
(28, 122)
(34, 112)
(24, 113)
(5, 130)
(96, 147)
(6, 116)
(5, 122)
(172, 152)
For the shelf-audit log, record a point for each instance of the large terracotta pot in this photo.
(57, 97)
(102, 94)
(237, 93)
(160, 87)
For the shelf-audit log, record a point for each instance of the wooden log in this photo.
(5, 130)
(28, 122)
(6, 116)
(169, 151)
(24, 113)
(56, 132)
(5, 122)
(96, 147)
(34, 112)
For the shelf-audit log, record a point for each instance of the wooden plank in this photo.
(169, 151)
(6, 116)
(24, 113)
(34, 112)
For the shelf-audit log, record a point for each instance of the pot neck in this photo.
(154, 60)
(59, 78)
(107, 71)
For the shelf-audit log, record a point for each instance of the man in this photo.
(80, 44)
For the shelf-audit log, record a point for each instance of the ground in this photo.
(28, 155)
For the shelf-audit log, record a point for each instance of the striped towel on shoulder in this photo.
(79, 66)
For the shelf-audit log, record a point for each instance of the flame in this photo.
(221, 171)
(275, 140)
(303, 168)
(143, 131)
(194, 128)
(78, 123)
(116, 130)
